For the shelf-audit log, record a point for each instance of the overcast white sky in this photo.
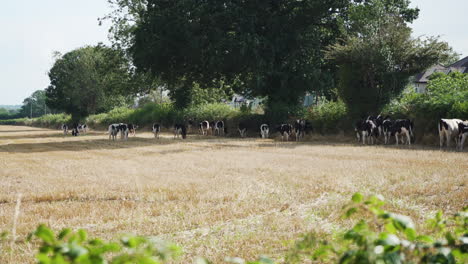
(32, 30)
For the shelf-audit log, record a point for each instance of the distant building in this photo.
(421, 80)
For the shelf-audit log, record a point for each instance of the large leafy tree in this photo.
(261, 48)
(378, 55)
(89, 80)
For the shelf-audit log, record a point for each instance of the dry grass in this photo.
(214, 197)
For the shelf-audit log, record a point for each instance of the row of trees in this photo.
(358, 50)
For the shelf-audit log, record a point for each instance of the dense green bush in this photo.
(328, 116)
(215, 111)
(446, 97)
(52, 121)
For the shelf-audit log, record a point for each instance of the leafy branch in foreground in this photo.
(69, 247)
(386, 237)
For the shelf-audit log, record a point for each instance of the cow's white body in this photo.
(264, 130)
(448, 129)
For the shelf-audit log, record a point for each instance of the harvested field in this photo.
(215, 197)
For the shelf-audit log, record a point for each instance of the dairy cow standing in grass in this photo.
(132, 129)
(180, 130)
(75, 130)
(285, 130)
(299, 129)
(448, 129)
(82, 128)
(113, 131)
(366, 130)
(387, 125)
(462, 133)
(403, 128)
(264, 130)
(219, 128)
(156, 130)
(65, 129)
(204, 127)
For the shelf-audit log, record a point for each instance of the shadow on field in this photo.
(82, 145)
(22, 131)
(49, 135)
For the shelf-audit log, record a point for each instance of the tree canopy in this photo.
(89, 80)
(378, 55)
(261, 48)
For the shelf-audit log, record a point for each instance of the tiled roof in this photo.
(459, 66)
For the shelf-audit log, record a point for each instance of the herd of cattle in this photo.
(368, 130)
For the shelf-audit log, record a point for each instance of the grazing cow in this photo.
(378, 121)
(462, 133)
(123, 128)
(212, 127)
(65, 129)
(219, 128)
(403, 127)
(242, 128)
(204, 127)
(180, 129)
(285, 131)
(387, 126)
(113, 131)
(82, 128)
(300, 129)
(132, 129)
(448, 128)
(75, 130)
(358, 128)
(264, 130)
(156, 130)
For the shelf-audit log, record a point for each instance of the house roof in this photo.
(459, 66)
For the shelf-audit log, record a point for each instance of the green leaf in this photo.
(350, 212)
(63, 233)
(357, 197)
(390, 228)
(45, 234)
(410, 234)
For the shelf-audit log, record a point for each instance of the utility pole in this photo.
(30, 102)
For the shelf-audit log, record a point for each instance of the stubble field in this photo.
(215, 197)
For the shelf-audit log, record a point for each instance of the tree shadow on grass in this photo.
(84, 145)
(22, 131)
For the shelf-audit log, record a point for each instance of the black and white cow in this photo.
(366, 131)
(462, 133)
(285, 130)
(132, 129)
(378, 121)
(212, 127)
(403, 127)
(82, 128)
(204, 127)
(113, 131)
(123, 129)
(300, 129)
(75, 130)
(65, 129)
(219, 128)
(387, 126)
(242, 128)
(448, 129)
(264, 130)
(156, 129)
(180, 130)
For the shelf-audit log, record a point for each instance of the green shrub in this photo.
(446, 97)
(215, 111)
(51, 120)
(75, 247)
(385, 237)
(329, 116)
